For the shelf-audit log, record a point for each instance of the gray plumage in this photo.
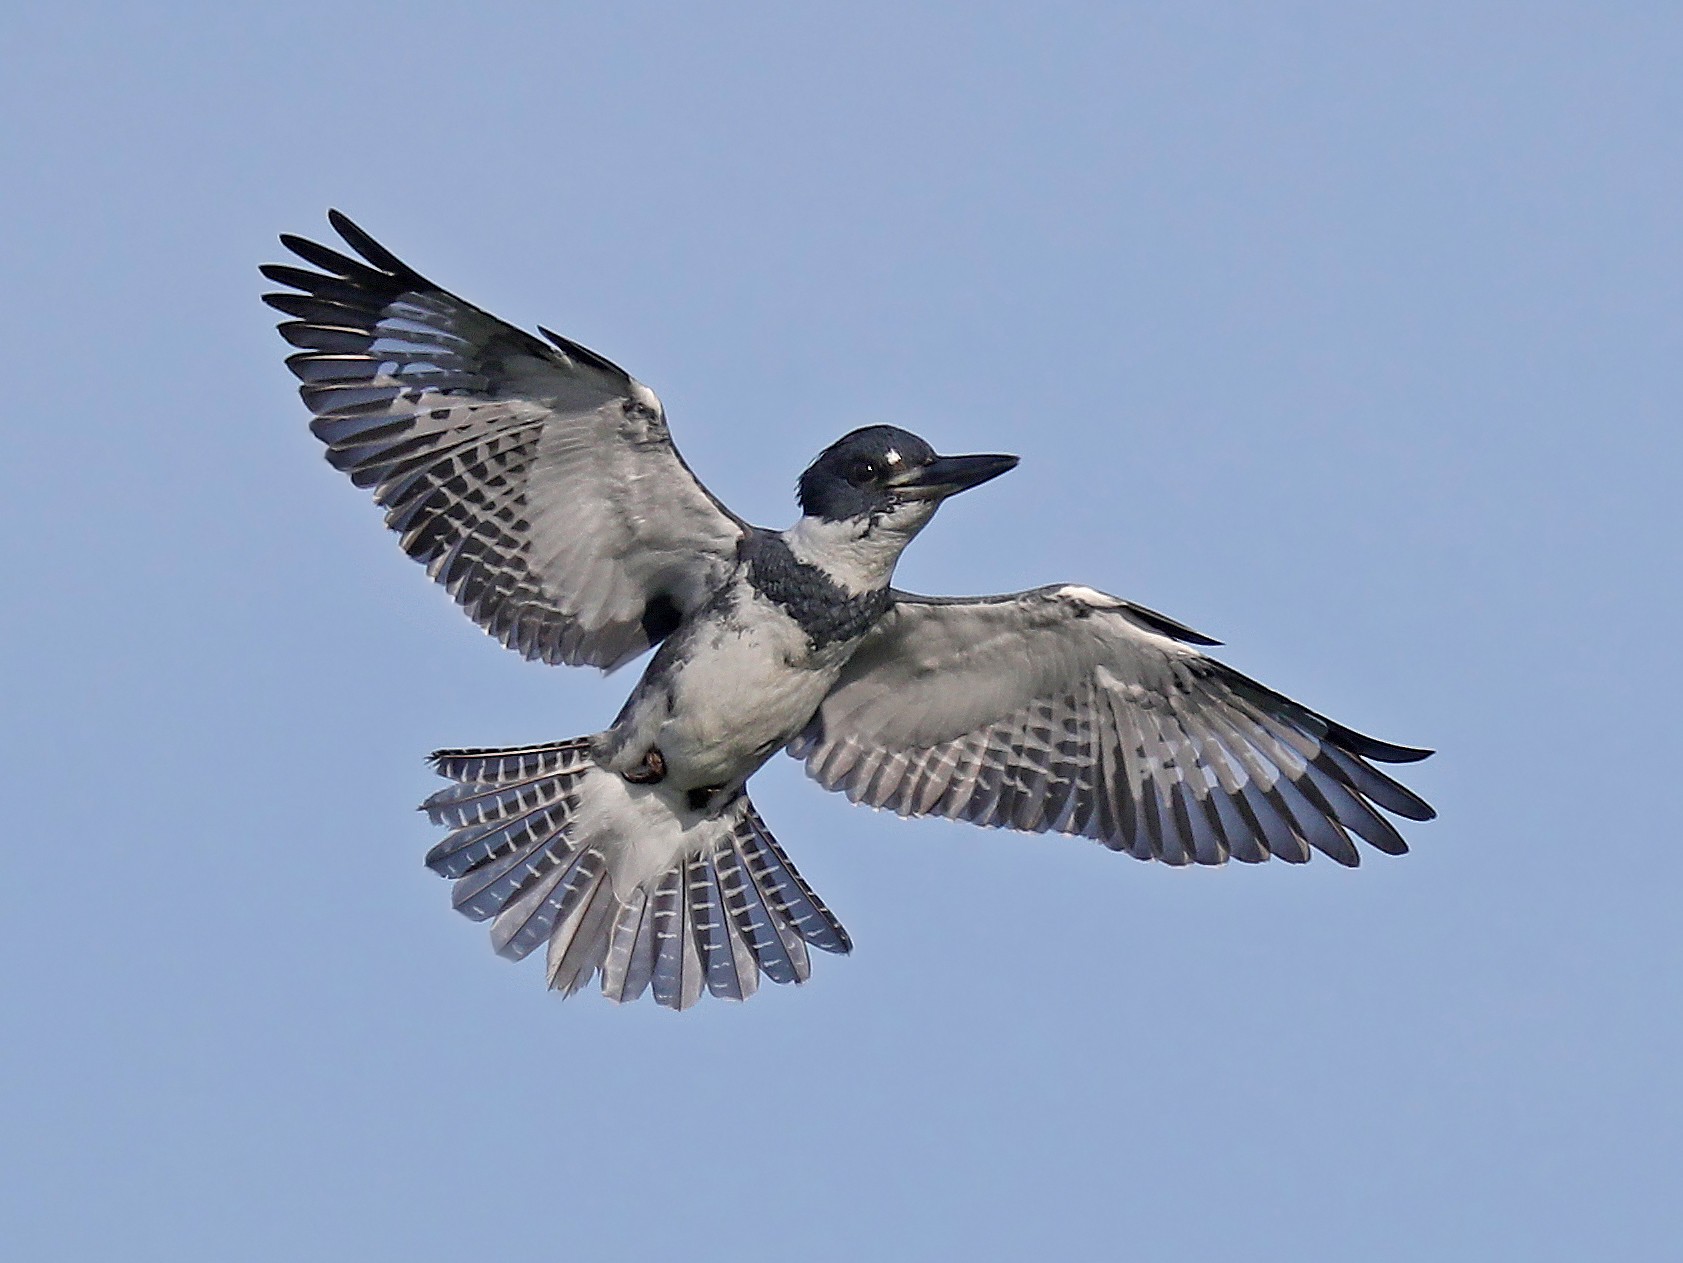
(538, 483)
(1067, 710)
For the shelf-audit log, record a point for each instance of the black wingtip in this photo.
(343, 224)
(372, 250)
(584, 354)
(1170, 627)
(1384, 751)
(279, 273)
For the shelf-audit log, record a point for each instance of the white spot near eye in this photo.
(892, 456)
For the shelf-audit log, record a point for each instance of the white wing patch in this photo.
(1090, 596)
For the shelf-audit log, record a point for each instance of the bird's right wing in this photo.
(537, 483)
(1064, 709)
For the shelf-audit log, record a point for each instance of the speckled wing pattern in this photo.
(1067, 710)
(537, 483)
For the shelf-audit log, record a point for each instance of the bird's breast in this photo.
(749, 681)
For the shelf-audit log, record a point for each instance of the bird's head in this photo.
(889, 476)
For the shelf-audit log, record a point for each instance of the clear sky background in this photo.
(1349, 334)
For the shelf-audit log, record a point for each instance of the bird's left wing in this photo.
(1067, 710)
(537, 483)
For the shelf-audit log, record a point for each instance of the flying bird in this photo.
(538, 483)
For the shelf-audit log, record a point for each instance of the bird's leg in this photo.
(651, 770)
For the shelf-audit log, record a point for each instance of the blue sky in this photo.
(1348, 334)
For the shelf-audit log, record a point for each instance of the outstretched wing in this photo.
(1064, 709)
(537, 483)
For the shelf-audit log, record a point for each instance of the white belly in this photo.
(749, 686)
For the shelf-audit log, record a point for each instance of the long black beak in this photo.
(948, 475)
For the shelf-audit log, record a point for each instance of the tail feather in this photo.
(677, 966)
(630, 961)
(504, 799)
(622, 881)
(474, 846)
(579, 944)
(780, 951)
(545, 909)
(489, 889)
(726, 959)
(786, 889)
(520, 763)
(464, 805)
(528, 918)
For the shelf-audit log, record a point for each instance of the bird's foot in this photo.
(651, 770)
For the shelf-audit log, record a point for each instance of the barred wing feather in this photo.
(1067, 710)
(538, 483)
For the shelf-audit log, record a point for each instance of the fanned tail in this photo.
(622, 881)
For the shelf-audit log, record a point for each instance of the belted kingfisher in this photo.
(537, 482)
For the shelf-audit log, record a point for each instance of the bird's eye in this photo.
(863, 471)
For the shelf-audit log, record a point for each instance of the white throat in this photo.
(858, 555)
